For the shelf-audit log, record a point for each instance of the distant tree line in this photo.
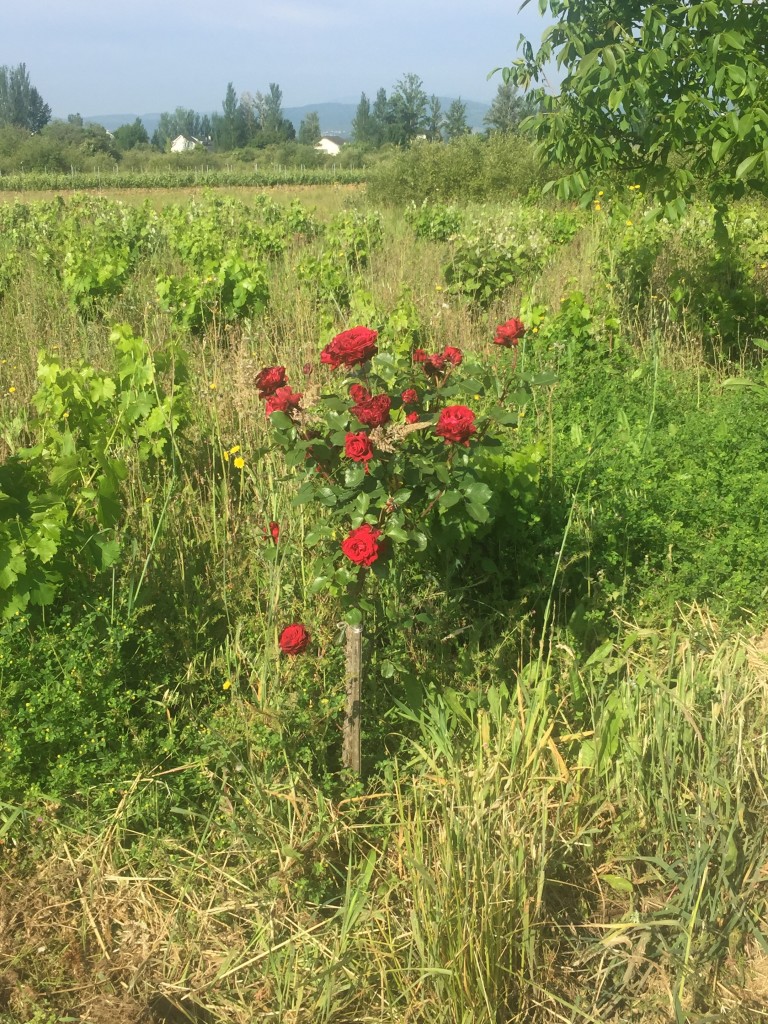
(247, 124)
(408, 113)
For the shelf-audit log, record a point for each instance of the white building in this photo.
(182, 144)
(330, 144)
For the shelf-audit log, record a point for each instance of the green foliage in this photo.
(81, 702)
(469, 168)
(221, 291)
(61, 497)
(672, 95)
(490, 255)
(21, 104)
(434, 221)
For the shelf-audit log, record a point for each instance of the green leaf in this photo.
(747, 165)
(397, 533)
(478, 512)
(479, 493)
(618, 883)
(449, 498)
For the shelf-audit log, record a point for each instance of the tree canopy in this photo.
(21, 105)
(675, 94)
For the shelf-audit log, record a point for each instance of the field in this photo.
(561, 814)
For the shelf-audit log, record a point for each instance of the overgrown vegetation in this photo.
(562, 808)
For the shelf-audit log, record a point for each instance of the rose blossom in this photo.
(350, 348)
(412, 417)
(274, 531)
(456, 424)
(452, 355)
(509, 333)
(294, 639)
(362, 545)
(374, 411)
(434, 365)
(410, 396)
(283, 400)
(358, 447)
(419, 355)
(358, 393)
(269, 380)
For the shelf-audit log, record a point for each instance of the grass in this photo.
(564, 821)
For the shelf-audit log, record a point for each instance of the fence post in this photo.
(350, 751)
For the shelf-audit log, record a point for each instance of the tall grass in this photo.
(569, 824)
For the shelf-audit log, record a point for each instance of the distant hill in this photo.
(335, 118)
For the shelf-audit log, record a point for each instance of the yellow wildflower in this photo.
(227, 684)
(239, 462)
(11, 390)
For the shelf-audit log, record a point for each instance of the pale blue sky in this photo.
(142, 56)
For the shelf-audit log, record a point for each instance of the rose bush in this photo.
(386, 476)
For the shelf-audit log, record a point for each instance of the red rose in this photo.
(294, 639)
(374, 411)
(269, 380)
(274, 531)
(419, 355)
(456, 424)
(410, 396)
(434, 365)
(509, 333)
(358, 447)
(362, 545)
(350, 348)
(412, 417)
(358, 393)
(452, 355)
(283, 400)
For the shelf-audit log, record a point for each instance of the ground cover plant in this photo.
(232, 425)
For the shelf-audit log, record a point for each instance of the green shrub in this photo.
(471, 167)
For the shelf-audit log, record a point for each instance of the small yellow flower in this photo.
(225, 455)
(239, 462)
(11, 390)
(227, 684)
(600, 192)
(598, 206)
(629, 223)
(212, 385)
(234, 449)
(534, 330)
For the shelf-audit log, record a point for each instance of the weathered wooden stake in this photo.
(350, 751)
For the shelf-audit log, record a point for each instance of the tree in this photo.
(409, 109)
(456, 120)
(433, 127)
(228, 132)
(509, 108)
(21, 105)
(672, 94)
(128, 136)
(383, 118)
(363, 124)
(309, 129)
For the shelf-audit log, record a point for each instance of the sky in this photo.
(147, 56)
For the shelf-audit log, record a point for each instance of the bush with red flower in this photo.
(383, 475)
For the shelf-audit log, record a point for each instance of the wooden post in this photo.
(350, 751)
